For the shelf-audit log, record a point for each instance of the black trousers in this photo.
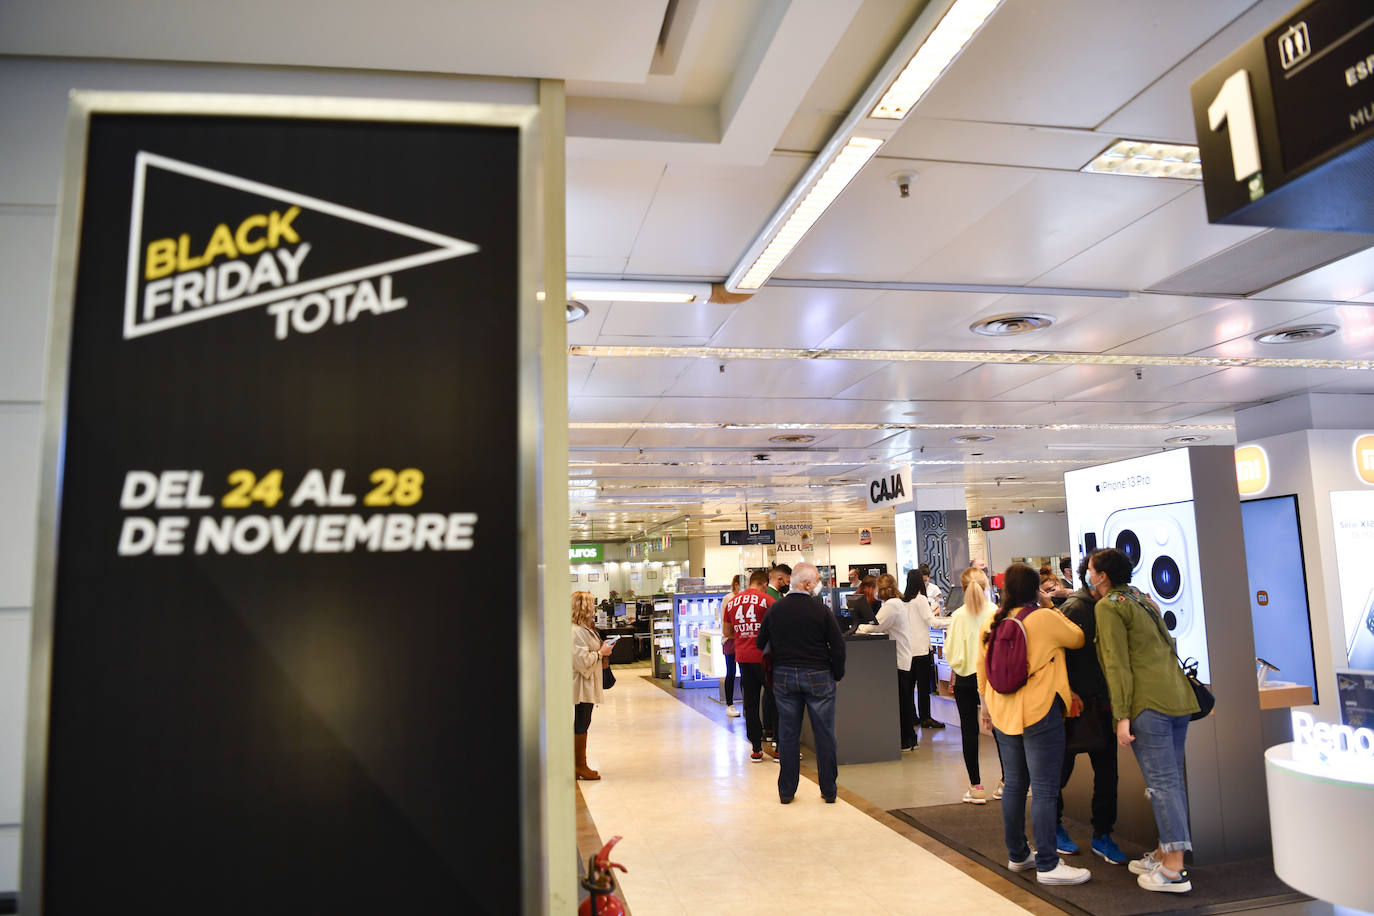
(582, 717)
(906, 705)
(966, 699)
(1104, 787)
(752, 682)
(924, 668)
(729, 679)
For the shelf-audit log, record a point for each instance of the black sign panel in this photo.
(1285, 124)
(1321, 70)
(290, 452)
(739, 537)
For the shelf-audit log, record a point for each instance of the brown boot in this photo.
(580, 749)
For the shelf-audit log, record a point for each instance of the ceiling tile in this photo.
(870, 233)
(1227, 321)
(1348, 278)
(1355, 340)
(609, 409)
(585, 331)
(780, 316)
(1247, 386)
(703, 217)
(1110, 383)
(1049, 220)
(1163, 111)
(995, 144)
(606, 204)
(579, 367)
(1159, 244)
(1064, 62)
(747, 378)
(918, 383)
(665, 320)
(614, 377)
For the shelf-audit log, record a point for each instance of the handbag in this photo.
(1201, 692)
(607, 678)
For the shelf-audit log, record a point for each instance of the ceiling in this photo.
(690, 121)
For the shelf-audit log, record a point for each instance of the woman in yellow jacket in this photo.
(1029, 726)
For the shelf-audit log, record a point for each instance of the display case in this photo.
(661, 632)
(692, 613)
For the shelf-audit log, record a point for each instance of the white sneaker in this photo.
(1161, 880)
(1145, 864)
(1063, 873)
(731, 711)
(1026, 865)
(975, 796)
(997, 793)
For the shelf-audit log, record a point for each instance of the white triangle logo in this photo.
(445, 247)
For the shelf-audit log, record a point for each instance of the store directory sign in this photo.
(291, 434)
(1144, 508)
(1352, 520)
(1285, 124)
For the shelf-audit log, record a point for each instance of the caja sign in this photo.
(890, 489)
(1252, 470)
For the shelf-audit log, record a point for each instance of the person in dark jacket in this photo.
(864, 605)
(1089, 688)
(808, 659)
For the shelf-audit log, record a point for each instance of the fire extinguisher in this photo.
(600, 884)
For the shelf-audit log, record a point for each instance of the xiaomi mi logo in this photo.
(1252, 470)
(1364, 458)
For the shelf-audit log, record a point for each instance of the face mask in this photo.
(784, 589)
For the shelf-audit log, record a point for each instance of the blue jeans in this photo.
(1033, 760)
(1158, 749)
(792, 687)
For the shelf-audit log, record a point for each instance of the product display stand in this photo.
(661, 631)
(692, 613)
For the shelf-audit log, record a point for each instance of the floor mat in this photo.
(976, 831)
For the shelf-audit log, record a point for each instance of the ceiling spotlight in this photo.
(793, 439)
(1186, 440)
(1009, 325)
(969, 440)
(576, 311)
(1298, 334)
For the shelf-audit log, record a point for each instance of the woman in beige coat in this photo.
(587, 653)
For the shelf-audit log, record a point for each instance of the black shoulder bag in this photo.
(1205, 700)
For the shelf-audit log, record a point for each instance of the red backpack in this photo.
(1008, 663)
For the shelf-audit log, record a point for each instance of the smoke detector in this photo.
(1010, 325)
(1298, 334)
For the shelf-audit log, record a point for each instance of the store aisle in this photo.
(704, 832)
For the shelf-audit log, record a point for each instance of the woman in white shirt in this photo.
(894, 620)
(923, 617)
(961, 651)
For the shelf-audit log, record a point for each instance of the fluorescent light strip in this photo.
(899, 427)
(837, 175)
(763, 465)
(960, 23)
(1002, 357)
(584, 295)
(1151, 160)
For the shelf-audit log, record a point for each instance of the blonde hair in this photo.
(583, 608)
(975, 583)
(887, 587)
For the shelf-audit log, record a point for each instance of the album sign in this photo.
(290, 449)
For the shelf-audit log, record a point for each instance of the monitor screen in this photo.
(1278, 588)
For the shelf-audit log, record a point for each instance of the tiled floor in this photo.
(704, 831)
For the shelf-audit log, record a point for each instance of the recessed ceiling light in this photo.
(1298, 334)
(968, 440)
(576, 311)
(792, 439)
(1151, 160)
(1010, 325)
(1186, 440)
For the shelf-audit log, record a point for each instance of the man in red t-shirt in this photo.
(741, 618)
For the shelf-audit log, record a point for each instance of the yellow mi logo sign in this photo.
(1364, 458)
(1252, 470)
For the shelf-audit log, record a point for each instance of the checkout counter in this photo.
(867, 728)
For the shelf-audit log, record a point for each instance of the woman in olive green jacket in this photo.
(1151, 705)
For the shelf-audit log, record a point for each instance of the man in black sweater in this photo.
(808, 659)
(1089, 685)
